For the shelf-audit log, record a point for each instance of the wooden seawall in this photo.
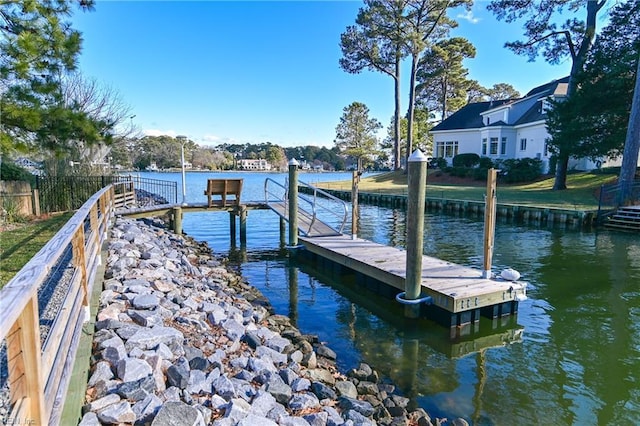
(527, 214)
(459, 294)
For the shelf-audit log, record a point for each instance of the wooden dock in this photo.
(458, 290)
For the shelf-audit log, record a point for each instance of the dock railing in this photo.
(608, 199)
(43, 308)
(317, 208)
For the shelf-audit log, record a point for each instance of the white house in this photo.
(250, 164)
(505, 129)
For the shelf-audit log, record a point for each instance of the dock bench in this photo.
(223, 188)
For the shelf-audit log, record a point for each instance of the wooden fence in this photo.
(17, 196)
(39, 372)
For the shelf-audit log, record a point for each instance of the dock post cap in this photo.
(293, 162)
(418, 156)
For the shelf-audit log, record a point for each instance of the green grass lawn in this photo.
(20, 244)
(581, 193)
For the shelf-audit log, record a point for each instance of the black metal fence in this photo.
(64, 193)
(608, 200)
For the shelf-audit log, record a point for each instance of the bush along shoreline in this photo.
(183, 340)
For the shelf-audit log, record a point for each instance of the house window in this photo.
(446, 149)
(493, 147)
(546, 149)
(503, 146)
(484, 146)
(488, 120)
(523, 144)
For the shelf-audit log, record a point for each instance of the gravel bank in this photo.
(182, 340)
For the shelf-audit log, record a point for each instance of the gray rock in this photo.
(292, 421)
(252, 340)
(178, 413)
(254, 420)
(279, 344)
(138, 390)
(102, 372)
(198, 382)
(296, 356)
(276, 357)
(303, 401)
(346, 388)
(104, 402)
(309, 360)
(258, 364)
(234, 329)
(223, 386)
(367, 388)
(262, 403)
(316, 419)
(178, 374)
(89, 419)
(145, 318)
(357, 418)
(334, 418)
(120, 412)
(280, 391)
(321, 375)
(288, 375)
(150, 338)
(237, 409)
(323, 391)
(325, 352)
(146, 301)
(133, 369)
(362, 407)
(301, 384)
(459, 422)
(147, 408)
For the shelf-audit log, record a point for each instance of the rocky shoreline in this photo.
(182, 340)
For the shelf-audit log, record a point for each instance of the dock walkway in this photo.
(454, 288)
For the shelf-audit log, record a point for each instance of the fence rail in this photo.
(64, 193)
(39, 367)
(608, 200)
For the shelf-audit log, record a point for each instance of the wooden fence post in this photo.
(24, 361)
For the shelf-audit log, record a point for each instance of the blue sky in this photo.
(262, 71)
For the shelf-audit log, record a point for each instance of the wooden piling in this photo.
(417, 183)
(177, 220)
(293, 202)
(243, 225)
(355, 179)
(489, 221)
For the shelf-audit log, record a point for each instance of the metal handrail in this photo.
(313, 202)
(318, 191)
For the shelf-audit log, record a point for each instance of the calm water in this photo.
(572, 356)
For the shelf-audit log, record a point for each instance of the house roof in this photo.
(470, 116)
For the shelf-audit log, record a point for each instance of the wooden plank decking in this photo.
(306, 224)
(453, 287)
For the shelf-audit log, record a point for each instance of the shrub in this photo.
(11, 171)
(485, 163)
(468, 159)
(521, 170)
(480, 173)
(461, 171)
(438, 163)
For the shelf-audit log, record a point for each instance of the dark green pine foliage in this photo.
(38, 47)
(593, 122)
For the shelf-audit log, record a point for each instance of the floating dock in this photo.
(458, 290)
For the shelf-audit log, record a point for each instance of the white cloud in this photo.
(468, 16)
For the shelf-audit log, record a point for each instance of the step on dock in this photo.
(457, 290)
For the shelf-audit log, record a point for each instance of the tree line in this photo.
(165, 153)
